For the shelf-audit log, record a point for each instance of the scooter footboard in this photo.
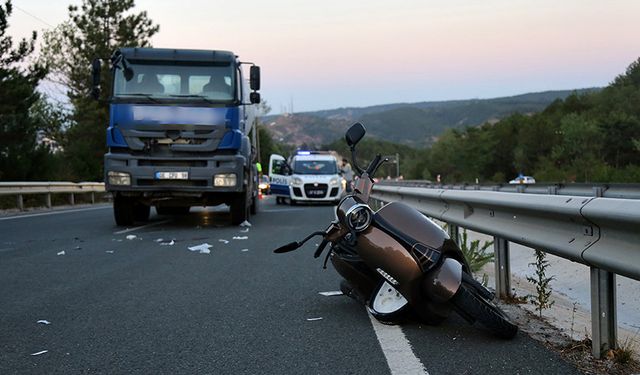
(443, 282)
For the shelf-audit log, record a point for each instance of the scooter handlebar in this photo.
(288, 247)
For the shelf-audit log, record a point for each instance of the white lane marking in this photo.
(141, 227)
(52, 213)
(397, 350)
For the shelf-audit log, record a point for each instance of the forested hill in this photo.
(413, 124)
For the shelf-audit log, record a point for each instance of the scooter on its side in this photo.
(397, 262)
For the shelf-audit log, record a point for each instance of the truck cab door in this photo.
(279, 176)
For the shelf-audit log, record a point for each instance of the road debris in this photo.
(313, 319)
(223, 241)
(62, 252)
(245, 230)
(45, 322)
(240, 237)
(38, 353)
(244, 250)
(331, 293)
(202, 249)
(245, 224)
(109, 251)
(170, 243)
(131, 237)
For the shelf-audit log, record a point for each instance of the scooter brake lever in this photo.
(321, 247)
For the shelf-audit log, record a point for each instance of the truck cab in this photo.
(308, 176)
(181, 133)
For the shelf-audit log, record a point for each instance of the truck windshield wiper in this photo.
(147, 96)
(202, 97)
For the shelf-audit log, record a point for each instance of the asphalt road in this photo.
(119, 306)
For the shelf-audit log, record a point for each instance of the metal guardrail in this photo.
(602, 233)
(24, 188)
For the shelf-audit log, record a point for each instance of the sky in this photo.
(353, 53)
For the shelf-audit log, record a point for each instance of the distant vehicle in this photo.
(308, 176)
(264, 185)
(525, 180)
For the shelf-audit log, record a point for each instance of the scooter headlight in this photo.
(359, 217)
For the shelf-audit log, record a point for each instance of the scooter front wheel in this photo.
(387, 304)
(469, 302)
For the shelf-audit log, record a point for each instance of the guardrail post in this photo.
(503, 270)
(20, 202)
(48, 200)
(454, 232)
(72, 199)
(603, 311)
(93, 197)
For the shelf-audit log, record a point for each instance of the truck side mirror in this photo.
(254, 97)
(95, 77)
(254, 78)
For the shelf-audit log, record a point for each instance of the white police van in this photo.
(308, 176)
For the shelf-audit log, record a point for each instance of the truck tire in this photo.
(254, 206)
(239, 209)
(141, 212)
(123, 210)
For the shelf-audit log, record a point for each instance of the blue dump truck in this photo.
(181, 132)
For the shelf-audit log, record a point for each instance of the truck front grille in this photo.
(170, 183)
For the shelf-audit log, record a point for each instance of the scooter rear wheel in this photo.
(471, 303)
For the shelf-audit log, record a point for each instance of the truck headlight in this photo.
(334, 181)
(296, 181)
(119, 178)
(225, 179)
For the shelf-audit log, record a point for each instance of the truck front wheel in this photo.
(141, 212)
(239, 209)
(123, 210)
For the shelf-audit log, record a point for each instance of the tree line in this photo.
(77, 129)
(586, 137)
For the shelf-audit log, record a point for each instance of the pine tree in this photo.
(94, 30)
(20, 155)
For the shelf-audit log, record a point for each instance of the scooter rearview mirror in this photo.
(355, 134)
(288, 247)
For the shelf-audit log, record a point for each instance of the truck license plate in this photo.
(172, 175)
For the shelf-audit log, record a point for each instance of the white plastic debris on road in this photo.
(244, 230)
(202, 249)
(240, 237)
(223, 241)
(109, 251)
(131, 237)
(46, 322)
(245, 224)
(61, 252)
(313, 319)
(331, 293)
(170, 243)
(38, 353)
(159, 240)
(244, 250)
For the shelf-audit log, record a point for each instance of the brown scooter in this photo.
(397, 261)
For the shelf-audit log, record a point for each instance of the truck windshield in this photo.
(315, 167)
(213, 83)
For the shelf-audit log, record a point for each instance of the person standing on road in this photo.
(347, 173)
